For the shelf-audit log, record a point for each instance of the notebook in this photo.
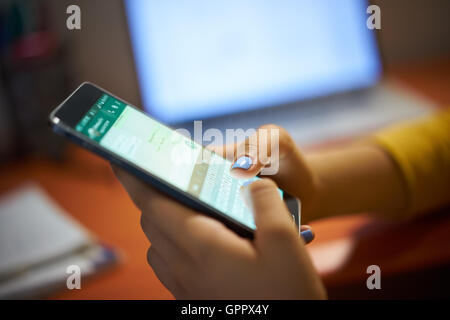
(39, 241)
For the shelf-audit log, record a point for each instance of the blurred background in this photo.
(313, 68)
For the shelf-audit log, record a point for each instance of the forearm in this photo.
(355, 179)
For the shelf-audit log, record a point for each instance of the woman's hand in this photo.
(195, 256)
(352, 178)
(288, 167)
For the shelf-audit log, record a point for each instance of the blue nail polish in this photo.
(307, 236)
(243, 163)
(246, 183)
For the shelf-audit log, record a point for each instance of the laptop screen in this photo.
(203, 58)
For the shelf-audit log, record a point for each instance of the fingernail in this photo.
(242, 163)
(248, 182)
(307, 236)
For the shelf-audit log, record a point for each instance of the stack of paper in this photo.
(38, 242)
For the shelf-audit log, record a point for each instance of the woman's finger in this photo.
(138, 190)
(188, 230)
(162, 270)
(159, 239)
(227, 151)
(261, 152)
(307, 233)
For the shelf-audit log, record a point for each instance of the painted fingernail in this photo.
(243, 163)
(248, 182)
(307, 236)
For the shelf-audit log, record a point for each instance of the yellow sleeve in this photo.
(421, 150)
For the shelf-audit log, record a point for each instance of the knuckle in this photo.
(138, 202)
(284, 138)
(275, 140)
(142, 202)
(146, 228)
(150, 256)
(285, 141)
(270, 126)
(143, 221)
(262, 186)
(150, 205)
(279, 232)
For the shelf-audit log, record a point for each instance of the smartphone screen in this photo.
(167, 154)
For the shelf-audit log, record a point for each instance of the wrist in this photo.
(340, 185)
(312, 192)
(313, 207)
(352, 179)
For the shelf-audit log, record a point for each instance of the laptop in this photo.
(312, 67)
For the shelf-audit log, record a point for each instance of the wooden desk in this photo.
(414, 257)
(86, 188)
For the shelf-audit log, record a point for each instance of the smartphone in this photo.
(162, 157)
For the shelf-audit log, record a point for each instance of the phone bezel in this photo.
(64, 118)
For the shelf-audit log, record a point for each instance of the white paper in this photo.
(33, 230)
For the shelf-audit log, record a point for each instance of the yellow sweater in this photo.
(421, 150)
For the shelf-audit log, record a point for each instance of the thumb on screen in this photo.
(272, 219)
